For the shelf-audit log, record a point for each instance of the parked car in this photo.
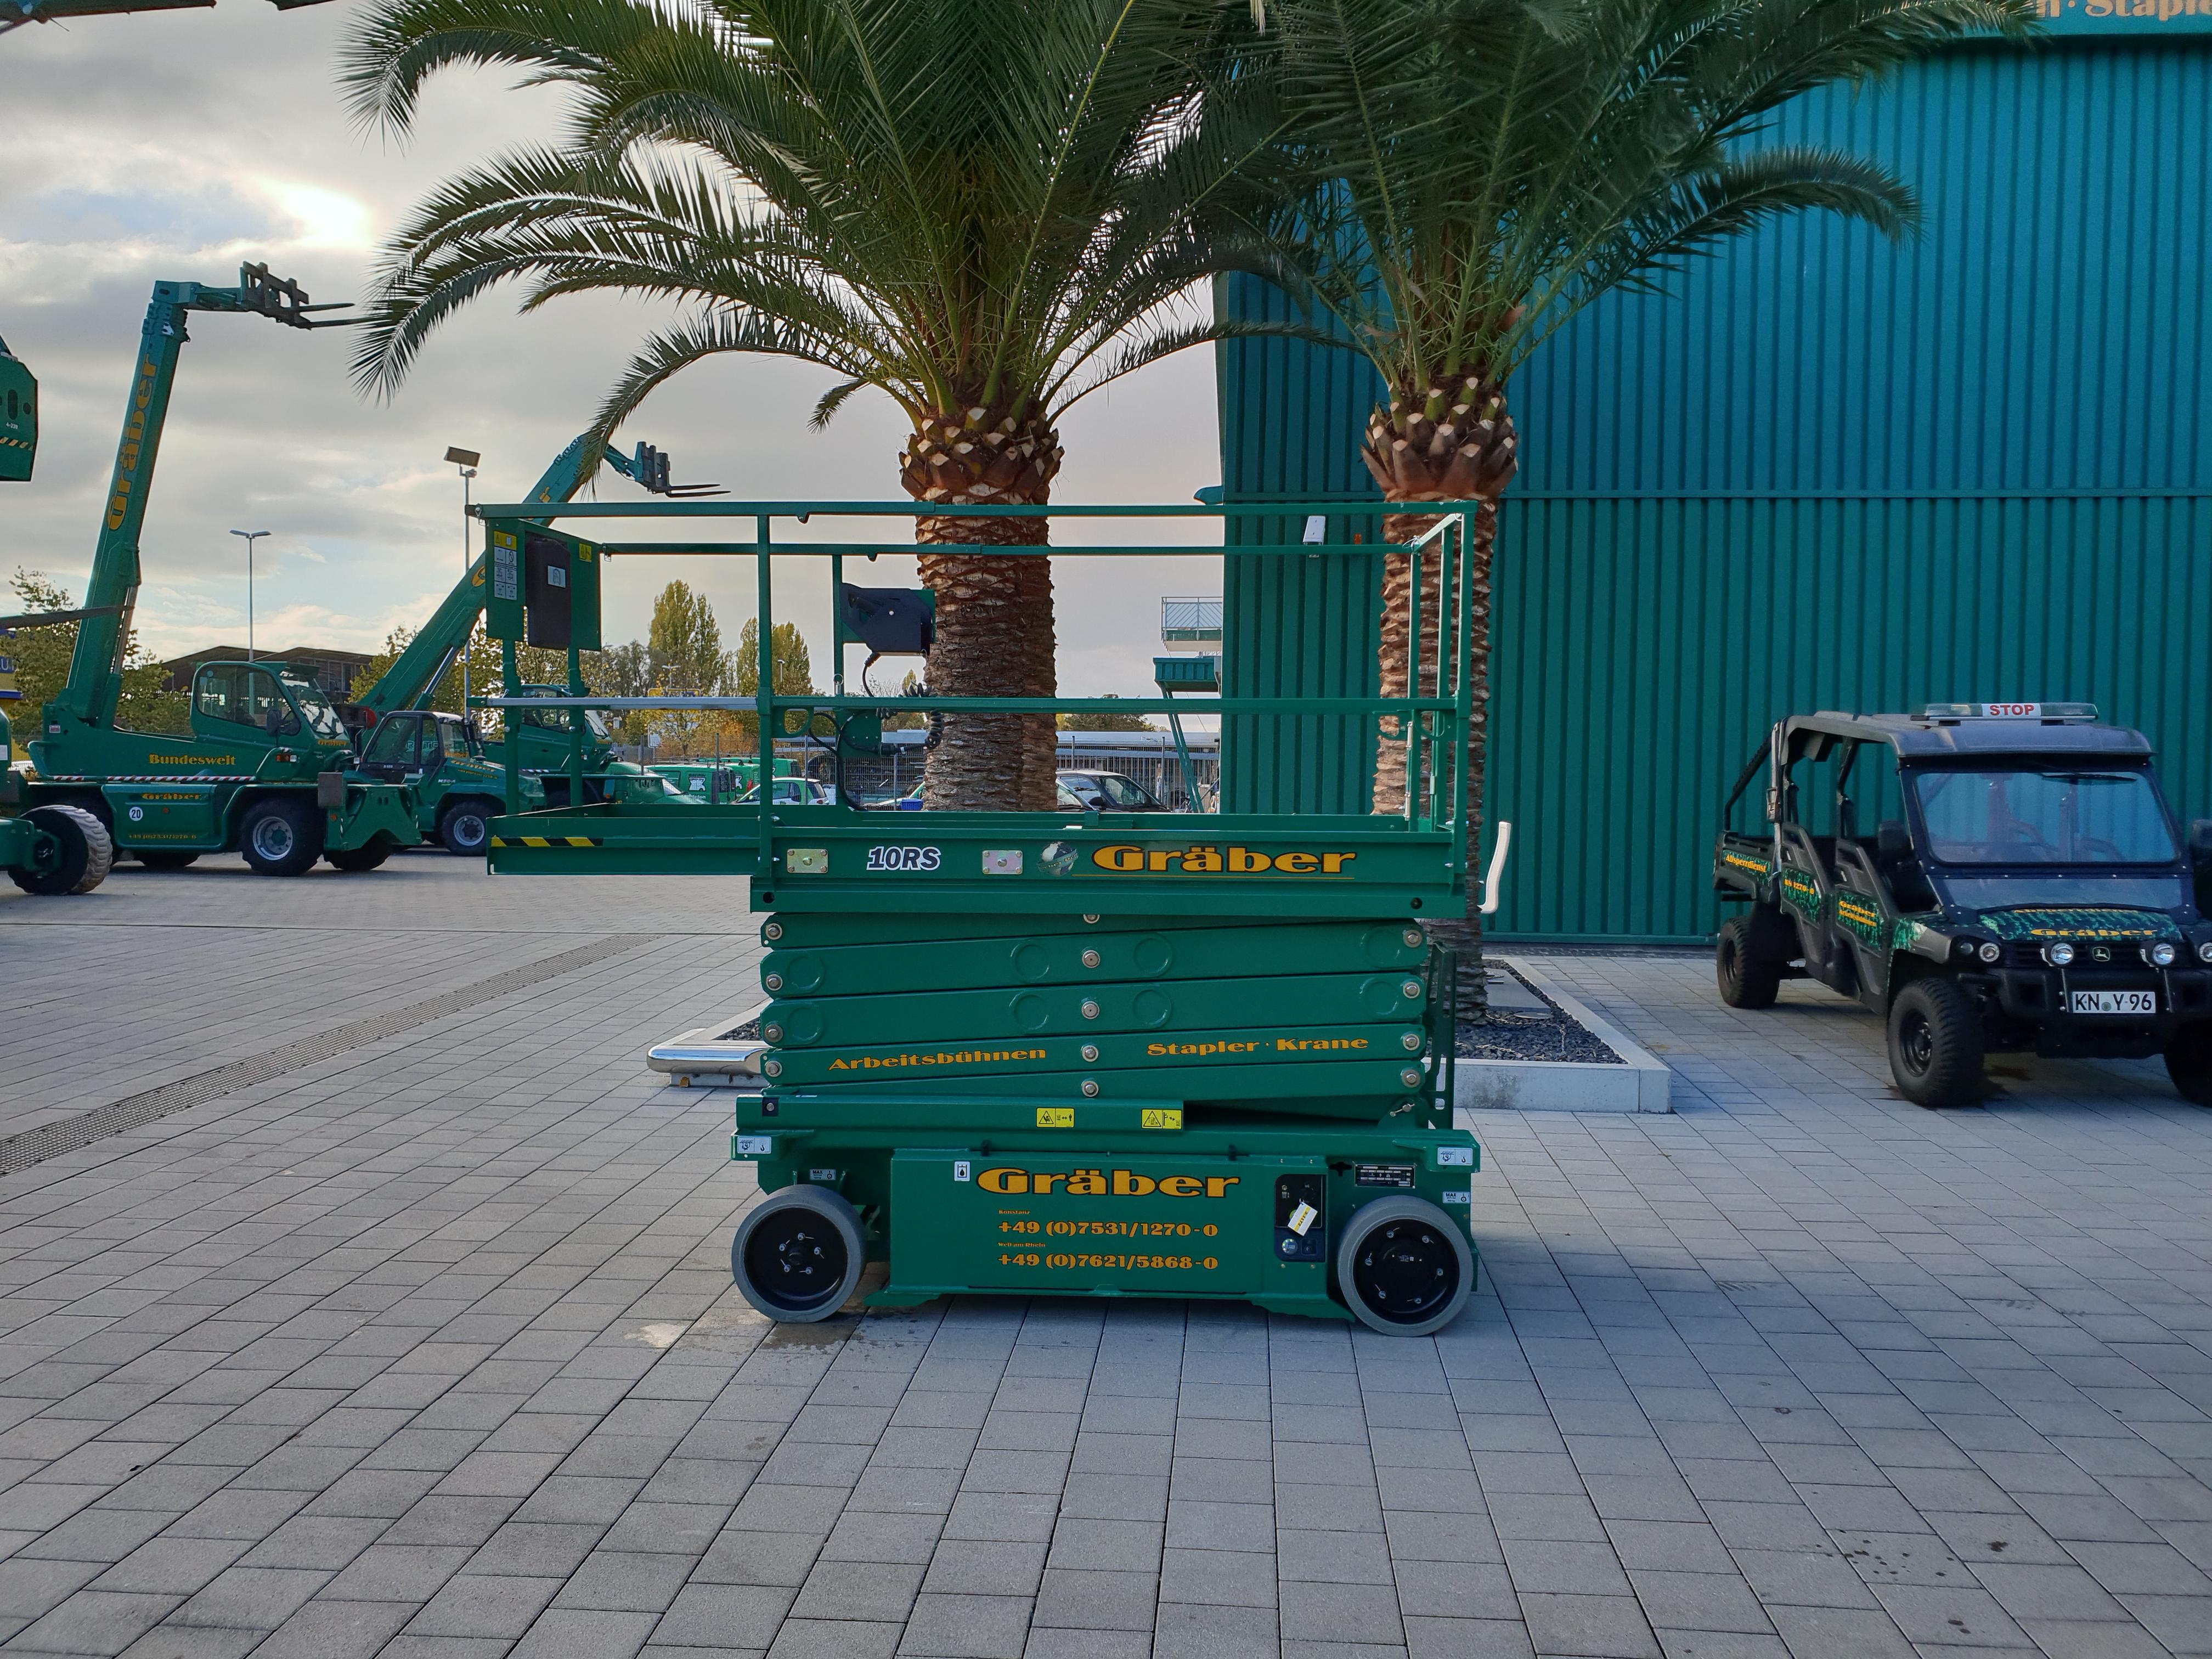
(794, 792)
(1106, 792)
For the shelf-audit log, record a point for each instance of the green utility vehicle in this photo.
(1986, 876)
(1077, 1052)
(457, 775)
(266, 768)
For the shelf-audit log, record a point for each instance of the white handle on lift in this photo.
(1497, 869)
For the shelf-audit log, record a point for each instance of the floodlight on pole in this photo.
(252, 537)
(464, 462)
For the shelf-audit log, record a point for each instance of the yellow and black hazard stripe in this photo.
(547, 840)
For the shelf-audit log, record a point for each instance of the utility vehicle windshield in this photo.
(2039, 817)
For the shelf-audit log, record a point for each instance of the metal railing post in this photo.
(764, 695)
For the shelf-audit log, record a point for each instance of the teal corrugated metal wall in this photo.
(1294, 628)
(1830, 473)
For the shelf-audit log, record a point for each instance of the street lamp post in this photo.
(464, 462)
(252, 537)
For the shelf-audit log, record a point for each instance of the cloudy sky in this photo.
(174, 145)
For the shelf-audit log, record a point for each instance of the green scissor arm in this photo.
(95, 668)
(416, 671)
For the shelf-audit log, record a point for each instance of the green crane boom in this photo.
(95, 676)
(416, 671)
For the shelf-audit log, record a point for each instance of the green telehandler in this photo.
(458, 778)
(267, 769)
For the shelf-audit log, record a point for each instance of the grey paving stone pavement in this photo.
(429, 1347)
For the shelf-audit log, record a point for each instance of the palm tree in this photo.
(986, 211)
(1459, 178)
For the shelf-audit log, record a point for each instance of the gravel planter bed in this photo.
(1557, 1034)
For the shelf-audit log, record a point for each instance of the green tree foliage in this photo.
(42, 661)
(624, 670)
(1106, 719)
(794, 676)
(684, 658)
(683, 646)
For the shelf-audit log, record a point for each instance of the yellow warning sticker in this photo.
(1162, 1117)
(1055, 1118)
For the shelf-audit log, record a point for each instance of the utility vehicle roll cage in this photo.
(1423, 848)
(1930, 737)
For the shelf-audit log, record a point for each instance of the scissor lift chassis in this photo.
(1193, 1055)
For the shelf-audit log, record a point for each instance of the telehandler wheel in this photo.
(154, 858)
(362, 858)
(1936, 1044)
(798, 1253)
(1747, 978)
(464, 827)
(1403, 1266)
(74, 856)
(2189, 1063)
(280, 837)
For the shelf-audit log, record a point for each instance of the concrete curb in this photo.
(1540, 1085)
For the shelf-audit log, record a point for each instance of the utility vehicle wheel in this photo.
(1747, 979)
(2189, 1063)
(157, 859)
(280, 837)
(1403, 1266)
(798, 1253)
(74, 856)
(464, 827)
(362, 858)
(1936, 1044)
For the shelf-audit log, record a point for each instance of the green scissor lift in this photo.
(1066, 1053)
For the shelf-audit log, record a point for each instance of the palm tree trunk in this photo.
(1454, 441)
(994, 617)
(1463, 933)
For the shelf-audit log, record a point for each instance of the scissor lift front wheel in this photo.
(797, 1255)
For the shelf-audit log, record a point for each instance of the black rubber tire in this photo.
(157, 859)
(281, 836)
(798, 1253)
(362, 858)
(1403, 1266)
(81, 853)
(1936, 1044)
(1747, 979)
(464, 825)
(2189, 1063)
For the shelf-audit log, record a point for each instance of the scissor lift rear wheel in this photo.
(1403, 1268)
